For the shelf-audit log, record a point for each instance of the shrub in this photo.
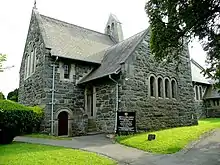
(16, 119)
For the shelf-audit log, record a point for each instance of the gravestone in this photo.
(151, 137)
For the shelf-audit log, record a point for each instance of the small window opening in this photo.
(113, 26)
(167, 88)
(197, 92)
(66, 71)
(200, 92)
(160, 87)
(174, 88)
(152, 86)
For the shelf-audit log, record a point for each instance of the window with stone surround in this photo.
(160, 87)
(200, 92)
(108, 29)
(90, 101)
(112, 26)
(167, 88)
(66, 68)
(25, 66)
(152, 86)
(30, 62)
(33, 55)
(173, 89)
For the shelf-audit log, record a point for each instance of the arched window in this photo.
(167, 88)
(112, 26)
(108, 29)
(152, 86)
(160, 87)
(33, 56)
(174, 88)
(28, 65)
(200, 93)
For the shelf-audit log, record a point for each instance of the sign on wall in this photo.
(126, 122)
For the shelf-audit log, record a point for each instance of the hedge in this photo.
(16, 119)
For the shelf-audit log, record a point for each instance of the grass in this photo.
(170, 140)
(45, 136)
(35, 154)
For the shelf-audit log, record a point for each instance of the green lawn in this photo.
(34, 154)
(170, 140)
(44, 136)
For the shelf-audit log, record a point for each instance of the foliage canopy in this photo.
(173, 20)
(13, 95)
(2, 97)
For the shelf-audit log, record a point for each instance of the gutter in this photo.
(52, 97)
(116, 105)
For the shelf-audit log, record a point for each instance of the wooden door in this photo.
(63, 123)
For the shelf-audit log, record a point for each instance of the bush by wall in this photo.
(16, 119)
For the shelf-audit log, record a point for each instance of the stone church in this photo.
(207, 98)
(82, 78)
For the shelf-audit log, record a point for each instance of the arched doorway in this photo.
(63, 123)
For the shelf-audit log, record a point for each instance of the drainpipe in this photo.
(52, 97)
(116, 106)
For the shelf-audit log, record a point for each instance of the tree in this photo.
(173, 20)
(13, 95)
(2, 59)
(2, 97)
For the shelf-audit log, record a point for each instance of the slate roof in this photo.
(114, 56)
(197, 76)
(72, 41)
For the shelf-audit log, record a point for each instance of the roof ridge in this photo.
(113, 46)
(138, 37)
(73, 24)
(138, 42)
(124, 40)
(197, 64)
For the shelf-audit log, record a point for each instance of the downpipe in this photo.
(52, 97)
(116, 105)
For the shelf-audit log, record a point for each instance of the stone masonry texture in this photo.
(156, 113)
(152, 113)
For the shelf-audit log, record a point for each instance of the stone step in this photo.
(94, 133)
(92, 129)
(92, 125)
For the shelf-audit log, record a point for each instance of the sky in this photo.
(92, 14)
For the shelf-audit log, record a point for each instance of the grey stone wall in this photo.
(68, 95)
(199, 103)
(36, 89)
(105, 105)
(156, 113)
(200, 109)
(31, 89)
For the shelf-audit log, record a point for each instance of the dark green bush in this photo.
(16, 119)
